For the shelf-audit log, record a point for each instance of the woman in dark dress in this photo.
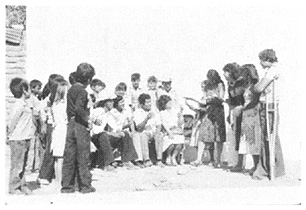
(211, 131)
(232, 73)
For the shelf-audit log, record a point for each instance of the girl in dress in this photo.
(59, 118)
(212, 127)
(172, 123)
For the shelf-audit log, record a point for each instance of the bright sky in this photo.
(180, 42)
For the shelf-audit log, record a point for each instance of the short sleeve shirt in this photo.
(24, 128)
(140, 115)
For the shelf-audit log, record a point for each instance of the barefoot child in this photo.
(20, 132)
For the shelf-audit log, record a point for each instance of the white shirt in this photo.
(133, 96)
(270, 73)
(122, 118)
(154, 97)
(22, 114)
(140, 115)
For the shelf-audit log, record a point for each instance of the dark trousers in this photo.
(106, 143)
(19, 156)
(76, 157)
(47, 166)
(238, 131)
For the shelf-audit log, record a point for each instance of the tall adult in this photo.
(269, 61)
(235, 95)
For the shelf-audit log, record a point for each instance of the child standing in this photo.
(36, 150)
(152, 91)
(97, 86)
(58, 113)
(135, 91)
(20, 133)
(77, 147)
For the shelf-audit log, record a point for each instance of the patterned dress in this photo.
(212, 128)
(250, 140)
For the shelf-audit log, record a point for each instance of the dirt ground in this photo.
(181, 184)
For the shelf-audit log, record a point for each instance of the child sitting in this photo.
(172, 123)
(97, 86)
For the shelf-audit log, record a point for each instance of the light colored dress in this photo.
(170, 119)
(58, 112)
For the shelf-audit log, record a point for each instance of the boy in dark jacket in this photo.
(77, 148)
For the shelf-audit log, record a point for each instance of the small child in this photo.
(135, 91)
(58, 113)
(20, 133)
(36, 150)
(97, 86)
(120, 90)
(152, 91)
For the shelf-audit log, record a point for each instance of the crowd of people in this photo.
(64, 131)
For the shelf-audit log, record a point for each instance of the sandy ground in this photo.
(180, 185)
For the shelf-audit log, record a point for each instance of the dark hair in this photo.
(17, 86)
(162, 101)
(249, 74)
(268, 55)
(232, 69)
(72, 77)
(116, 101)
(152, 79)
(34, 83)
(142, 98)
(213, 79)
(97, 82)
(135, 76)
(121, 86)
(47, 87)
(84, 73)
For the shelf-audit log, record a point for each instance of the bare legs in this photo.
(172, 152)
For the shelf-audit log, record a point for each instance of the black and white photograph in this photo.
(157, 103)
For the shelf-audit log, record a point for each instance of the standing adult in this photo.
(268, 61)
(235, 92)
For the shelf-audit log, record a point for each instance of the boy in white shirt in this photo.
(20, 132)
(148, 126)
(135, 91)
(109, 134)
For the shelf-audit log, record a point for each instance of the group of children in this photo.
(54, 131)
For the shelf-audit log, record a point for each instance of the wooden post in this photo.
(271, 132)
